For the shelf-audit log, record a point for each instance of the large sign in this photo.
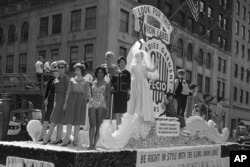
(197, 156)
(156, 30)
(152, 22)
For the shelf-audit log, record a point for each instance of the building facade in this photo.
(210, 49)
(240, 69)
(62, 29)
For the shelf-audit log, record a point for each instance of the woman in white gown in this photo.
(140, 114)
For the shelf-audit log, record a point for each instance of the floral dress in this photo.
(98, 98)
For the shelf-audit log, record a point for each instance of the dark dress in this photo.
(61, 86)
(121, 85)
(49, 95)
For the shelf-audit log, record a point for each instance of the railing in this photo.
(19, 83)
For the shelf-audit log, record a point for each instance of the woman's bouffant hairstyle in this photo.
(121, 58)
(100, 68)
(81, 66)
(62, 62)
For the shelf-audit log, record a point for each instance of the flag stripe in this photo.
(194, 9)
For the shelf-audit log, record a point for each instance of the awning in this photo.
(247, 123)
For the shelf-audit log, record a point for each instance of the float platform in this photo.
(34, 154)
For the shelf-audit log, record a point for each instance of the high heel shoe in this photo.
(66, 143)
(44, 143)
(57, 142)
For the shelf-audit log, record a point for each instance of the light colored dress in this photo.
(141, 101)
(98, 98)
(76, 105)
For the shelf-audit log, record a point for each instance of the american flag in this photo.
(194, 7)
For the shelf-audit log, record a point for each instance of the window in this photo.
(1, 36)
(237, 7)
(218, 88)
(201, 6)
(25, 32)
(241, 96)
(42, 53)
(243, 51)
(237, 28)
(224, 43)
(207, 85)
(124, 20)
(224, 66)
(44, 24)
(10, 64)
(199, 82)
(191, 24)
(55, 54)
(242, 73)
(235, 94)
(181, 19)
(248, 54)
(89, 55)
(22, 63)
(209, 12)
(180, 48)
(236, 71)
(56, 24)
(11, 34)
(247, 97)
(0, 65)
(243, 32)
(223, 89)
(220, 20)
(249, 17)
(123, 51)
(225, 24)
(220, 41)
(73, 57)
(168, 9)
(189, 52)
(237, 47)
(248, 36)
(202, 29)
(200, 58)
(208, 61)
(90, 18)
(219, 64)
(188, 76)
(244, 13)
(75, 20)
(248, 76)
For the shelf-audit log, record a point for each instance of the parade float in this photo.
(164, 144)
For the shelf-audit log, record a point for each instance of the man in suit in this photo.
(181, 92)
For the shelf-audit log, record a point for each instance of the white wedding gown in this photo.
(139, 117)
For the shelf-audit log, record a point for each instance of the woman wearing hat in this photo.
(75, 103)
(49, 99)
(57, 116)
(181, 92)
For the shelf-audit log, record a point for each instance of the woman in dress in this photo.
(120, 83)
(140, 114)
(49, 100)
(57, 116)
(97, 105)
(75, 103)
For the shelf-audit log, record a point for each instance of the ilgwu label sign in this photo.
(156, 30)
